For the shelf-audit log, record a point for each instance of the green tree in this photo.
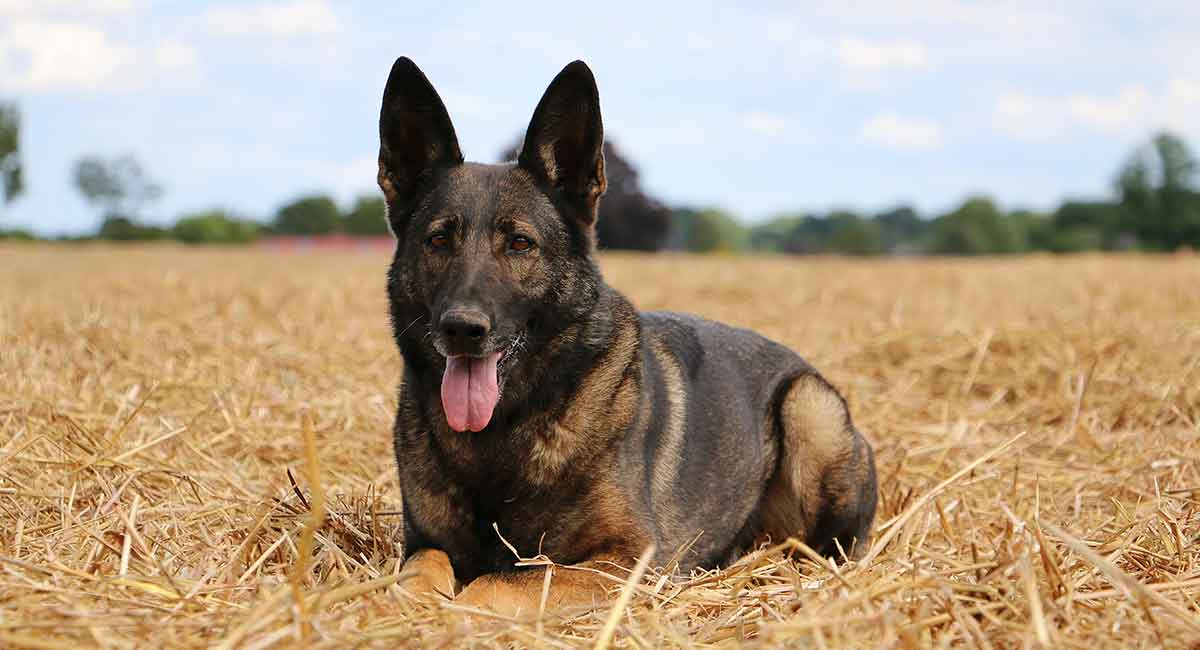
(18, 234)
(119, 187)
(214, 227)
(12, 180)
(850, 234)
(315, 214)
(713, 231)
(116, 228)
(774, 235)
(1158, 194)
(977, 227)
(1084, 225)
(902, 230)
(367, 217)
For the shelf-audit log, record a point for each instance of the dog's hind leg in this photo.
(823, 491)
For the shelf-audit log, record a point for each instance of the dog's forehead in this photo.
(482, 191)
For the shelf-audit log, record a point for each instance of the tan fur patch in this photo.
(601, 179)
(816, 435)
(385, 182)
(600, 405)
(815, 413)
(550, 452)
(546, 154)
(670, 444)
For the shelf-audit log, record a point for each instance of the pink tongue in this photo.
(469, 391)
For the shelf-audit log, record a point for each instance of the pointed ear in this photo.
(565, 141)
(415, 136)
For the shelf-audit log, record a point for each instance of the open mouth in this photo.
(470, 390)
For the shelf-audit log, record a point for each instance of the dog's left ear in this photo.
(564, 146)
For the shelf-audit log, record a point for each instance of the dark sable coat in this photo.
(614, 429)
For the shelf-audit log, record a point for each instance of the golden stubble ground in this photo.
(153, 399)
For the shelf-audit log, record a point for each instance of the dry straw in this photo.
(194, 452)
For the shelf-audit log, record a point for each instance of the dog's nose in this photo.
(464, 326)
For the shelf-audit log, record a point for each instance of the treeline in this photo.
(307, 215)
(310, 215)
(976, 227)
(120, 189)
(1155, 205)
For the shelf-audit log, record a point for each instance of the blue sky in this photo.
(776, 107)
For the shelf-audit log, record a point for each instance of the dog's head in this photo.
(490, 259)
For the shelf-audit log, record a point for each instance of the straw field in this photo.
(1037, 423)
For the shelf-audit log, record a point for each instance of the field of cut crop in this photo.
(1037, 424)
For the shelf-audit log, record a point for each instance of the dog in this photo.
(540, 413)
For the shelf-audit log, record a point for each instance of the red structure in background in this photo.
(336, 242)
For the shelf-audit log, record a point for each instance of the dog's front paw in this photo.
(497, 596)
(428, 573)
(419, 585)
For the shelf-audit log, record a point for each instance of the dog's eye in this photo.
(519, 244)
(438, 242)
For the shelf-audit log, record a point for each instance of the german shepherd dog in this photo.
(539, 409)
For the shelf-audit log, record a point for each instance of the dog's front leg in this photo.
(428, 572)
(519, 593)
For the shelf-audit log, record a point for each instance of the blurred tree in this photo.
(841, 232)
(1086, 225)
(367, 217)
(12, 181)
(977, 227)
(1157, 194)
(214, 227)
(711, 230)
(117, 228)
(18, 234)
(901, 230)
(629, 218)
(811, 235)
(119, 186)
(850, 234)
(308, 215)
(682, 220)
(1036, 229)
(770, 235)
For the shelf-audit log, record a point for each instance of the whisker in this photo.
(409, 326)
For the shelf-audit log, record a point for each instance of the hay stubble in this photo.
(152, 401)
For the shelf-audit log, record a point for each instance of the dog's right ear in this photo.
(415, 138)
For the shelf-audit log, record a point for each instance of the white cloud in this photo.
(895, 131)
(987, 15)
(1115, 114)
(860, 55)
(765, 124)
(73, 8)
(174, 55)
(285, 19)
(41, 55)
(1132, 110)
(1026, 117)
(1181, 105)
